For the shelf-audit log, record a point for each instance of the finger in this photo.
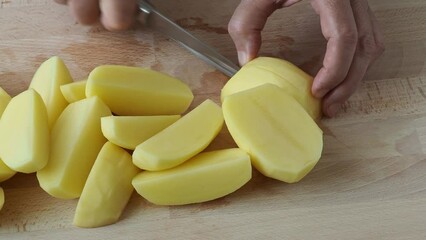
(248, 21)
(339, 28)
(85, 11)
(118, 14)
(364, 55)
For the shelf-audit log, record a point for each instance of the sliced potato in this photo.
(182, 140)
(130, 131)
(74, 91)
(47, 81)
(24, 133)
(281, 138)
(4, 100)
(207, 176)
(76, 141)
(108, 188)
(133, 91)
(287, 76)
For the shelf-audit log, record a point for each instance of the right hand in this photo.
(115, 15)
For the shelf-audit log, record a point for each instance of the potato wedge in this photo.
(4, 100)
(130, 131)
(24, 133)
(281, 138)
(74, 91)
(47, 81)
(108, 188)
(5, 172)
(207, 176)
(284, 74)
(76, 141)
(182, 140)
(132, 91)
(1, 198)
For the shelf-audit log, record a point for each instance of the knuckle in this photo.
(235, 28)
(348, 36)
(369, 47)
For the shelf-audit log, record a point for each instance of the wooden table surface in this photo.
(369, 184)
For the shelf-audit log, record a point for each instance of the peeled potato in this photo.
(5, 172)
(287, 76)
(75, 143)
(182, 140)
(47, 81)
(282, 139)
(24, 133)
(130, 131)
(74, 91)
(136, 91)
(108, 188)
(207, 176)
(1, 198)
(4, 100)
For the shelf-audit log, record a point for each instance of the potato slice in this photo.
(282, 139)
(182, 140)
(4, 100)
(130, 131)
(76, 141)
(74, 91)
(1, 198)
(136, 91)
(5, 172)
(47, 81)
(108, 188)
(289, 77)
(207, 176)
(24, 133)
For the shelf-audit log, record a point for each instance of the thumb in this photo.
(247, 23)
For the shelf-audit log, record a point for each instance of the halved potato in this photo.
(4, 100)
(182, 140)
(5, 172)
(284, 74)
(1, 198)
(207, 176)
(284, 142)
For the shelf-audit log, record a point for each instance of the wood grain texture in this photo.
(369, 184)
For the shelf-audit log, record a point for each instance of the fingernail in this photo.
(242, 58)
(333, 109)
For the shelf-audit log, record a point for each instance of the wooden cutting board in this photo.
(369, 184)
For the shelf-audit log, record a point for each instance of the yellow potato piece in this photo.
(136, 91)
(47, 81)
(76, 141)
(5, 172)
(207, 176)
(24, 133)
(74, 92)
(130, 131)
(1, 198)
(289, 77)
(281, 138)
(182, 140)
(108, 188)
(4, 100)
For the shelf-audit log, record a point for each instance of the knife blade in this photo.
(158, 22)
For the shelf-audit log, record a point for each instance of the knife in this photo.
(157, 21)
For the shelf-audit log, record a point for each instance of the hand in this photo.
(353, 43)
(115, 15)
